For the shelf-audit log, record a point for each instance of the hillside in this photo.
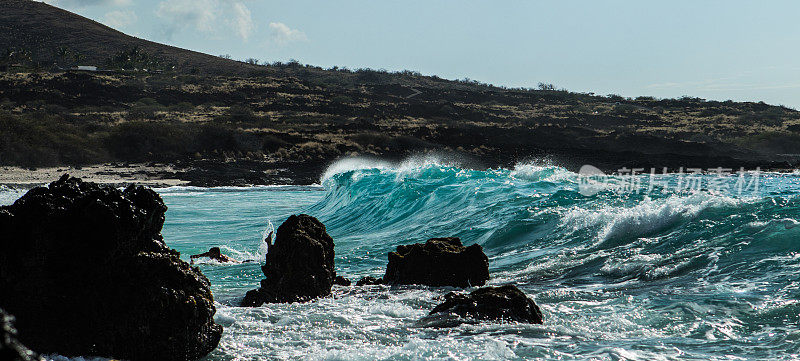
(54, 36)
(218, 121)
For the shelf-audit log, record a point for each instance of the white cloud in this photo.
(282, 34)
(119, 19)
(242, 21)
(178, 15)
(205, 16)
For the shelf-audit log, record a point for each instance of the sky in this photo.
(720, 50)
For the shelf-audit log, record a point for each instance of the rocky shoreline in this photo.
(158, 175)
(243, 174)
(86, 273)
(299, 267)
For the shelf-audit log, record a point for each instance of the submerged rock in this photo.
(368, 281)
(505, 303)
(10, 348)
(86, 272)
(438, 262)
(299, 265)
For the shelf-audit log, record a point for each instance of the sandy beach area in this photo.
(119, 175)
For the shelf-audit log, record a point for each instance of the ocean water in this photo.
(661, 272)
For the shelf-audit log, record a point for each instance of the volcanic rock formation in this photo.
(505, 303)
(299, 266)
(86, 272)
(438, 262)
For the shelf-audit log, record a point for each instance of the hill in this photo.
(218, 121)
(49, 35)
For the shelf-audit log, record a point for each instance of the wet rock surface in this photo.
(86, 272)
(299, 265)
(10, 348)
(369, 281)
(438, 262)
(341, 281)
(504, 303)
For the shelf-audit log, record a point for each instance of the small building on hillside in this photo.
(86, 68)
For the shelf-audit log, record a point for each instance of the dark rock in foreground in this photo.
(86, 272)
(506, 303)
(368, 281)
(341, 281)
(438, 262)
(299, 265)
(10, 348)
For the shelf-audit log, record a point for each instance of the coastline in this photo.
(678, 220)
(238, 175)
(109, 174)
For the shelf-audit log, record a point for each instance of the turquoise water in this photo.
(662, 273)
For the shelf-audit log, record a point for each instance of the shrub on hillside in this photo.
(144, 109)
(141, 140)
(43, 141)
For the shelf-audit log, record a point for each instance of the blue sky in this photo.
(739, 50)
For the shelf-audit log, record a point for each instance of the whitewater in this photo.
(657, 274)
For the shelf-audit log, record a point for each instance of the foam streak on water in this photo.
(658, 276)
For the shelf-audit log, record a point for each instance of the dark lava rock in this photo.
(10, 348)
(86, 272)
(438, 262)
(253, 298)
(368, 281)
(299, 265)
(505, 303)
(341, 281)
